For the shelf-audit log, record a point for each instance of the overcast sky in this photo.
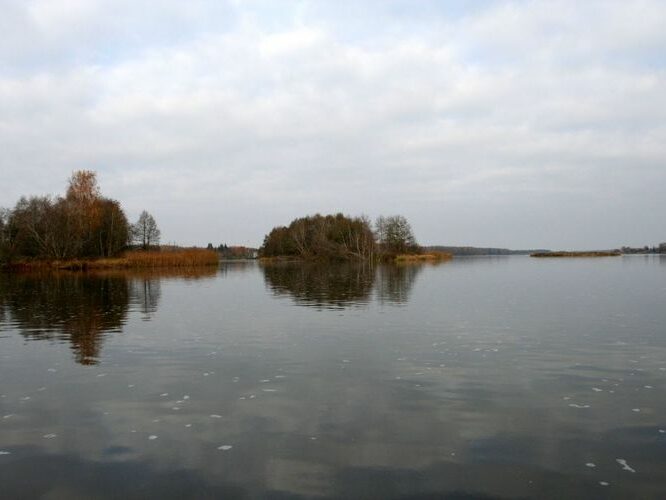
(512, 124)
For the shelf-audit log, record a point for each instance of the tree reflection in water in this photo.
(81, 309)
(338, 286)
(145, 293)
(395, 282)
(324, 286)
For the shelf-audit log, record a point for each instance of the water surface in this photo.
(479, 378)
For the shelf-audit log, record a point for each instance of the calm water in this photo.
(479, 378)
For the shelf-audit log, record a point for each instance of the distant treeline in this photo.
(235, 252)
(340, 237)
(83, 224)
(661, 248)
(462, 251)
(592, 253)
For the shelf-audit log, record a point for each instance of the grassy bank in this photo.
(129, 260)
(613, 253)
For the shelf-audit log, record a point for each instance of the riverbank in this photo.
(613, 253)
(129, 260)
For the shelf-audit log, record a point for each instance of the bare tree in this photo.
(145, 232)
(395, 235)
(5, 234)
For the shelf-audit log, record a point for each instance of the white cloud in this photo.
(246, 124)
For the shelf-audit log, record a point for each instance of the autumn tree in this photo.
(83, 188)
(82, 204)
(82, 224)
(145, 231)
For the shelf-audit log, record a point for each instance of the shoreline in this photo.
(398, 259)
(612, 253)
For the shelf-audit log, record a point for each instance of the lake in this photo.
(504, 377)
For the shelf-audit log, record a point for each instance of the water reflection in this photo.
(236, 266)
(321, 285)
(72, 307)
(146, 295)
(340, 286)
(81, 309)
(395, 283)
(497, 379)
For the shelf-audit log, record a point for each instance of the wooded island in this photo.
(340, 237)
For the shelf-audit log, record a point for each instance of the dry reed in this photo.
(424, 257)
(191, 257)
(180, 258)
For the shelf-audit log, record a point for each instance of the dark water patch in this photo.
(66, 476)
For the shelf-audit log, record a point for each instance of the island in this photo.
(338, 237)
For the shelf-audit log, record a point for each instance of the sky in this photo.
(532, 124)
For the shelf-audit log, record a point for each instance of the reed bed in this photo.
(179, 258)
(191, 257)
(424, 257)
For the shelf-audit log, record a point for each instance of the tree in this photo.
(35, 225)
(145, 232)
(394, 235)
(5, 235)
(322, 237)
(82, 210)
(82, 224)
(114, 229)
(83, 187)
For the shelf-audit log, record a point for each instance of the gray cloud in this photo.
(512, 124)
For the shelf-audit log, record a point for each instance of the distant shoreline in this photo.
(612, 253)
(398, 259)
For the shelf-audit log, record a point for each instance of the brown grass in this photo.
(193, 257)
(424, 257)
(179, 258)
